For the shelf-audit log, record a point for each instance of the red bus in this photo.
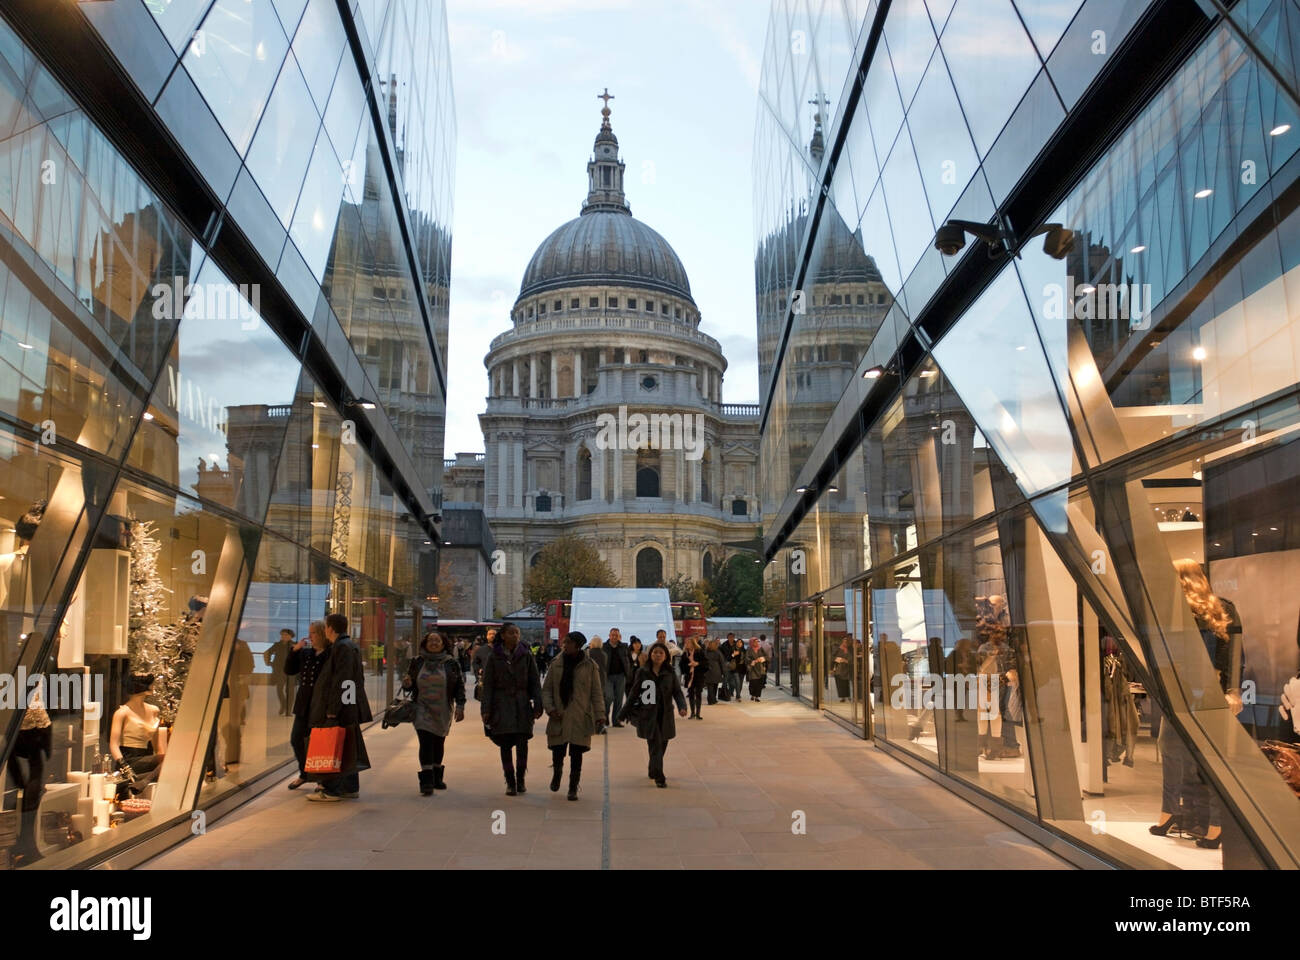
(688, 621)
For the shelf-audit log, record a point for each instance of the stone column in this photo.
(577, 373)
(555, 375)
(503, 473)
(532, 377)
(618, 474)
(679, 471)
(514, 366)
(519, 474)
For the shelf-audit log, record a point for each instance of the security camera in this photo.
(1057, 241)
(950, 239)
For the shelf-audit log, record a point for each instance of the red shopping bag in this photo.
(325, 750)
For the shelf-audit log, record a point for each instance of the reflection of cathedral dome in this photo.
(606, 244)
(605, 247)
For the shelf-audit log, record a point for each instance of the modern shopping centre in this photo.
(224, 250)
(1028, 282)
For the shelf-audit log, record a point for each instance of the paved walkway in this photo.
(736, 782)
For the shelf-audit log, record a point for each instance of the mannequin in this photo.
(994, 658)
(134, 741)
(1187, 801)
(26, 768)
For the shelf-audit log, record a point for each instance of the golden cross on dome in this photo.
(606, 96)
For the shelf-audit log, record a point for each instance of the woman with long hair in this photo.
(655, 689)
(694, 671)
(512, 702)
(435, 677)
(1187, 800)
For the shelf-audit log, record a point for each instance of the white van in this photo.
(636, 612)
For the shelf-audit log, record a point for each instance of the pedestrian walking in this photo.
(339, 700)
(674, 651)
(482, 655)
(574, 700)
(712, 670)
(655, 690)
(512, 701)
(276, 656)
(635, 653)
(756, 669)
(435, 678)
(596, 650)
(304, 662)
(694, 670)
(734, 656)
(618, 672)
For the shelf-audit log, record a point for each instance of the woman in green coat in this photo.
(655, 689)
(574, 699)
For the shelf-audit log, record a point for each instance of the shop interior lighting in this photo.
(1202, 194)
(1280, 129)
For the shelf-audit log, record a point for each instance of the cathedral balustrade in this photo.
(607, 321)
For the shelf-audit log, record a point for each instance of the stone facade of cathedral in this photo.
(604, 416)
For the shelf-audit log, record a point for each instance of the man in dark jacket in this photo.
(339, 699)
(618, 674)
(275, 657)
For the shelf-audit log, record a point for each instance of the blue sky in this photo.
(526, 73)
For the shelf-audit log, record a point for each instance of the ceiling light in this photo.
(1155, 343)
(1139, 248)
(873, 373)
(1019, 348)
(319, 404)
(1280, 129)
(800, 489)
(927, 373)
(315, 446)
(832, 489)
(148, 415)
(1202, 194)
(366, 404)
(1085, 288)
(1274, 529)
(24, 346)
(1199, 353)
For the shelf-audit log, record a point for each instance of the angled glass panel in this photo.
(995, 362)
(1047, 20)
(281, 150)
(177, 18)
(216, 422)
(236, 64)
(944, 152)
(909, 215)
(990, 77)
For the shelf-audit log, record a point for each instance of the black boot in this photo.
(426, 782)
(557, 774)
(510, 782)
(575, 775)
(438, 782)
(519, 779)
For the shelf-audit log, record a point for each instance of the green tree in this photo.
(684, 589)
(774, 597)
(737, 588)
(562, 565)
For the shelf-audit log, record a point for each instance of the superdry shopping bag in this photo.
(325, 750)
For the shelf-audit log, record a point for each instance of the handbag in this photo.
(325, 750)
(1015, 706)
(401, 710)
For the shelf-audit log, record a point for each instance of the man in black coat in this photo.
(276, 657)
(339, 700)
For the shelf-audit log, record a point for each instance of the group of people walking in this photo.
(587, 689)
(726, 665)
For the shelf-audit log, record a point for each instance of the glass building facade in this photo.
(1032, 498)
(224, 256)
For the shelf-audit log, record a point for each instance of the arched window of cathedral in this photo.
(707, 566)
(706, 468)
(543, 503)
(739, 508)
(584, 473)
(647, 473)
(536, 556)
(649, 568)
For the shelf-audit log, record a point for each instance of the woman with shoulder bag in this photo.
(655, 689)
(757, 670)
(435, 679)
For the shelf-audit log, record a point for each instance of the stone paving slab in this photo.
(738, 782)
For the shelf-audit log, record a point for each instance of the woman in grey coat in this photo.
(574, 699)
(435, 679)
